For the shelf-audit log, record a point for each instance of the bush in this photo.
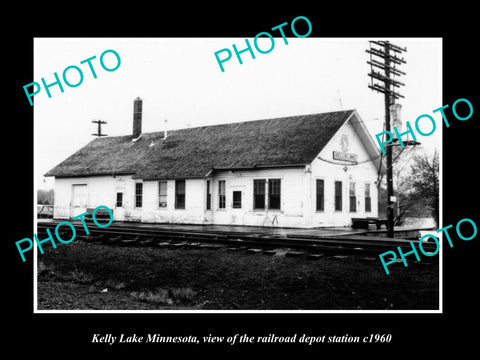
(165, 296)
(183, 294)
(79, 277)
(158, 297)
(44, 270)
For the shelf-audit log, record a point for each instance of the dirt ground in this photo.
(93, 276)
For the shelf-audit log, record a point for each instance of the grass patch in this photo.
(159, 296)
(165, 296)
(99, 276)
(47, 272)
(79, 277)
(183, 294)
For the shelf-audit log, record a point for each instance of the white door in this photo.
(79, 199)
(238, 206)
(119, 213)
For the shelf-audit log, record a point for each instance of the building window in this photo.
(119, 202)
(138, 194)
(274, 194)
(209, 196)
(320, 195)
(338, 196)
(79, 195)
(162, 194)
(179, 194)
(222, 198)
(368, 199)
(237, 199)
(353, 198)
(259, 194)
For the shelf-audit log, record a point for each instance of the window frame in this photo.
(322, 196)
(368, 199)
(182, 195)
(160, 195)
(222, 194)
(272, 195)
(237, 206)
(263, 194)
(352, 199)
(119, 203)
(208, 204)
(138, 195)
(338, 198)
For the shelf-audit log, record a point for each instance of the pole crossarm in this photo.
(383, 67)
(392, 46)
(384, 55)
(381, 77)
(383, 90)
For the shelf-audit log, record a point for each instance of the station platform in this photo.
(324, 232)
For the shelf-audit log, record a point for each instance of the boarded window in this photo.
(320, 195)
(259, 194)
(353, 198)
(79, 195)
(179, 194)
(237, 199)
(222, 198)
(274, 194)
(162, 194)
(368, 199)
(138, 195)
(338, 196)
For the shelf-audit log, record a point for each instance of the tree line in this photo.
(416, 185)
(45, 197)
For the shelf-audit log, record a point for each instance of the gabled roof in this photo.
(195, 152)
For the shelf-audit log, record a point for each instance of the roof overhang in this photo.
(64, 176)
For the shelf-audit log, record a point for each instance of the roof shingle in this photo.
(194, 152)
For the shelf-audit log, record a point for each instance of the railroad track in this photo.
(177, 238)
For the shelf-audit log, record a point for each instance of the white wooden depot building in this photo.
(301, 171)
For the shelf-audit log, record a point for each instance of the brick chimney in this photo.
(137, 118)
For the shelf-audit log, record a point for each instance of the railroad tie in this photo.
(178, 245)
(192, 245)
(253, 251)
(315, 256)
(210, 246)
(367, 258)
(270, 252)
(236, 248)
(147, 242)
(130, 241)
(111, 240)
(164, 243)
(294, 253)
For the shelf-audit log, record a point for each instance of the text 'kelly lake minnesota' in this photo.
(149, 338)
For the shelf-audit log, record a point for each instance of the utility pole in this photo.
(99, 129)
(387, 52)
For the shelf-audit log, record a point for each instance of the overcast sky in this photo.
(179, 80)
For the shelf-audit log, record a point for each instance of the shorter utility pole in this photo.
(99, 129)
